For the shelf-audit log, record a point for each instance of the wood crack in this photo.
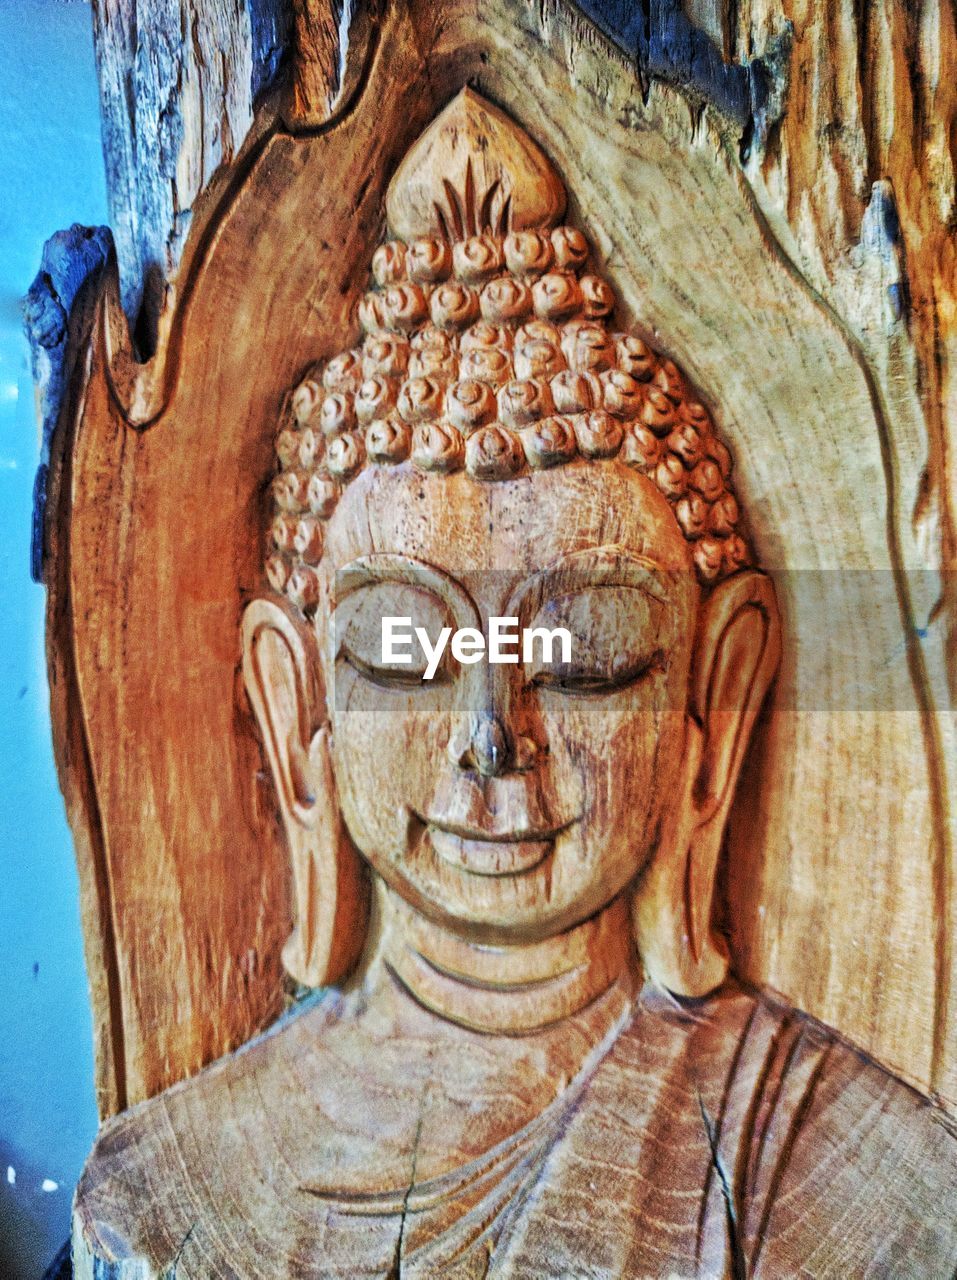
(397, 1264)
(179, 1252)
(739, 1268)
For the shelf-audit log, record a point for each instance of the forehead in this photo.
(463, 525)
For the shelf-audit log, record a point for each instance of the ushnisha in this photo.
(495, 352)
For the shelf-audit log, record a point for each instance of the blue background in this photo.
(52, 175)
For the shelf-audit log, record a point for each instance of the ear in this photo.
(737, 650)
(330, 895)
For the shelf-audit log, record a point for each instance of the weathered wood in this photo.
(320, 57)
(177, 89)
(858, 184)
(60, 338)
(69, 261)
(489, 866)
(711, 283)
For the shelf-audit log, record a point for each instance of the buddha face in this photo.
(494, 448)
(507, 800)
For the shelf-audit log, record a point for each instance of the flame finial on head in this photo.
(473, 171)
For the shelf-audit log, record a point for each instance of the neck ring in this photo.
(507, 990)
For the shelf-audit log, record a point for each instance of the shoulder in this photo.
(818, 1157)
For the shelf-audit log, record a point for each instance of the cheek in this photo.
(616, 758)
(643, 758)
(387, 748)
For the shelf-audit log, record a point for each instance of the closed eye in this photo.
(388, 677)
(362, 642)
(571, 678)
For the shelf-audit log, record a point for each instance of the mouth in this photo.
(484, 853)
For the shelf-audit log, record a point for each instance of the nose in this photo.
(490, 747)
(492, 750)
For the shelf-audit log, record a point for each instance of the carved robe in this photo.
(730, 1136)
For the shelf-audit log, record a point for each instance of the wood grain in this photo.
(730, 1138)
(838, 862)
(858, 184)
(177, 102)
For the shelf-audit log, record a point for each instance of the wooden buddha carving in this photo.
(528, 1059)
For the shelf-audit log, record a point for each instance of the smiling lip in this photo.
(492, 855)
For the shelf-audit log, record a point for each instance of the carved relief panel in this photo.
(541, 896)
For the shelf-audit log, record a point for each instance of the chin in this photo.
(508, 893)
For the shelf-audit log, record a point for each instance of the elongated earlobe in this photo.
(736, 655)
(330, 893)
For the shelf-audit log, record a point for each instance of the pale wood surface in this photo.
(858, 185)
(727, 1138)
(488, 1090)
(845, 877)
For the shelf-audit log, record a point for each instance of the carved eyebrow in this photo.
(609, 565)
(384, 566)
